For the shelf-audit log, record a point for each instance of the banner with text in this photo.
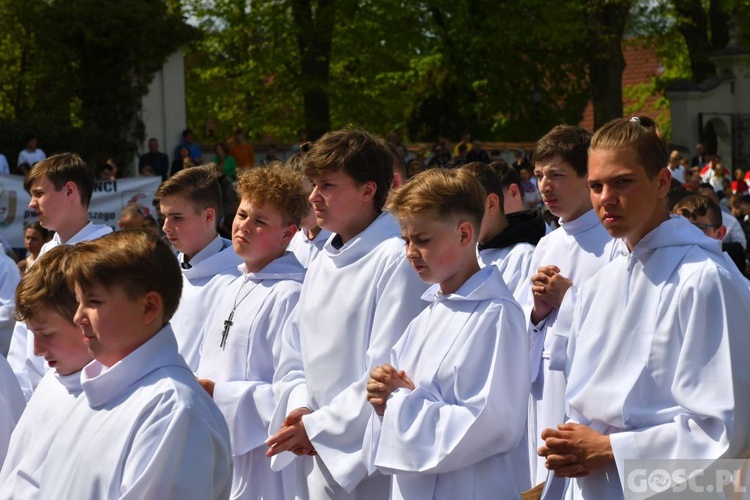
(108, 200)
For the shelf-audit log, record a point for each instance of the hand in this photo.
(208, 385)
(574, 450)
(292, 436)
(385, 379)
(548, 287)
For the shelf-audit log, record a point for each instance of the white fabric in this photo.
(144, 428)
(513, 262)
(243, 370)
(46, 412)
(355, 304)
(659, 362)
(462, 430)
(201, 286)
(734, 230)
(579, 248)
(678, 173)
(4, 167)
(9, 279)
(12, 405)
(28, 367)
(31, 158)
(306, 250)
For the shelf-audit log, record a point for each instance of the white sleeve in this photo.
(17, 358)
(483, 412)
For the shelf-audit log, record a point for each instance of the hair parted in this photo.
(440, 194)
(568, 142)
(198, 185)
(697, 205)
(278, 185)
(359, 154)
(44, 286)
(61, 169)
(136, 261)
(488, 178)
(641, 134)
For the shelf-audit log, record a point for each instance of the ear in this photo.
(664, 182)
(210, 215)
(721, 232)
(369, 189)
(289, 233)
(493, 204)
(513, 191)
(466, 233)
(70, 189)
(397, 180)
(153, 307)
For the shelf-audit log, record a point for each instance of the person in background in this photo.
(33, 238)
(30, 154)
(158, 161)
(271, 153)
(242, 151)
(225, 162)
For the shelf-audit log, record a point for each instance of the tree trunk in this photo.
(314, 40)
(693, 25)
(606, 62)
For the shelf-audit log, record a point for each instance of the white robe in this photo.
(513, 262)
(461, 433)
(12, 404)
(9, 279)
(47, 410)
(355, 304)
(144, 428)
(734, 230)
(579, 248)
(307, 250)
(659, 362)
(243, 371)
(28, 367)
(201, 286)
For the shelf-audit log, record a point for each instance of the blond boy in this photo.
(241, 336)
(462, 366)
(143, 427)
(47, 305)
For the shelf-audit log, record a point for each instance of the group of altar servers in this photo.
(365, 336)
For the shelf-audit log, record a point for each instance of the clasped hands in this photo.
(548, 287)
(575, 450)
(385, 379)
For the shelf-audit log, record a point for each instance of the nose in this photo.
(607, 196)
(411, 251)
(314, 195)
(40, 347)
(543, 184)
(33, 203)
(79, 318)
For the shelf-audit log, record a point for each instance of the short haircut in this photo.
(640, 134)
(44, 286)
(706, 185)
(278, 185)
(697, 205)
(568, 142)
(37, 226)
(507, 174)
(359, 154)
(135, 261)
(440, 194)
(398, 160)
(61, 169)
(198, 185)
(488, 178)
(676, 193)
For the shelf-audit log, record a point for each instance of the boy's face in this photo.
(259, 234)
(59, 341)
(49, 204)
(434, 249)
(110, 322)
(703, 222)
(189, 230)
(628, 203)
(339, 203)
(563, 191)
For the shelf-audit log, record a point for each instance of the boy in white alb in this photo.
(190, 202)
(358, 297)
(47, 305)
(508, 249)
(242, 334)
(143, 426)
(650, 375)
(572, 253)
(60, 189)
(462, 366)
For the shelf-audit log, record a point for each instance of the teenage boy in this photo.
(650, 375)
(505, 246)
(241, 336)
(568, 255)
(143, 426)
(190, 202)
(513, 206)
(60, 189)
(358, 297)
(46, 304)
(461, 367)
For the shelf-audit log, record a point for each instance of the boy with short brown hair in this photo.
(141, 407)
